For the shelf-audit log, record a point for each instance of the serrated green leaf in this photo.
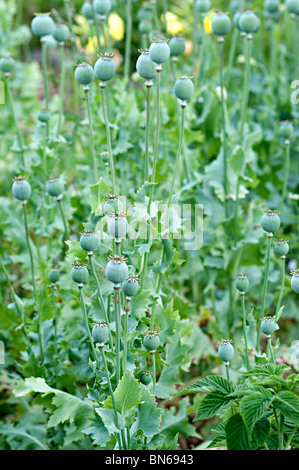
(75, 251)
(211, 404)
(253, 407)
(149, 415)
(211, 382)
(98, 192)
(288, 404)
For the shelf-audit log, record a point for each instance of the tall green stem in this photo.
(202, 53)
(112, 397)
(269, 235)
(127, 303)
(128, 38)
(108, 135)
(100, 297)
(286, 173)
(70, 24)
(148, 85)
(272, 358)
(117, 327)
(12, 108)
(66, 230)
(281, 286)
(44, 67)
(225, 183)
(156, 150)
(62, 81)
(245, 332)
(154, 372)
(177, 161)
(231, 57)
(85, 317)
(29, 250)
(280, 432)
(91, 141)
(227, 371)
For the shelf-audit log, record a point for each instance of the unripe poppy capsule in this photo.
(226, 351)
(268, 325)
(151, 341)
(84, 74)
(145, 377)
(177, 46)
(79, 273)
(105, 67)
(100, 333)
(130, 287)
(89, 241)
(295, 280)
(184, 88)
(281, 247)
(21, 189)
(87, 11)
(7, 64)
(270, 221)
(102, 7)
(55, 187)
(145, 67)
(54, 275)
(116, 270)
(159, 50)
(42, 25)
(242, 283)
(221, 24)
(61, 33)
(248, 22)
(202, 5)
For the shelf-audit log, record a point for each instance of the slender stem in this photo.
(155, 15)
(286, 173)
(227, 370)
(272, 358)
(45, 163)
(231, 57)
(62, 81)
(91, 141)
(273, 48)
(281, 285)
(29, 250)
(289, 441)
(269, 235)
(225, 183)
(85, 316)
(280, 432)
(153, 176)
(194, 31)
(202, 52)
(128, 38)
(112, 397)
(14, 297)
(97, 29)
(154, 372)
(127, 308)
(55, 327)
(245, 332)
(100, 298)
(117, 327)
(147, 129)
(44, 67)
(176, 166)
(108, 135)
(66, 230)
(70, 23)
(11, 103)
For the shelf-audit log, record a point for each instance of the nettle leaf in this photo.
(288, 404)
(267, 369)
(149, 414)
(237, 437)
(98, 192)
(211, 382)
(98, 432)
(211, 404)
(67, 408)
(253, 407)
(176, 422)
(75, 251)
(127, 395)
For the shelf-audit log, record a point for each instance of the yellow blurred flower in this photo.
(174, 25)
(116, 27)
(208, 25)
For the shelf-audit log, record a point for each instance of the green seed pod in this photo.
(226, 350)
(184, 88)
(145, 67)
(130, 287)
(61, 33)
(112, 204)
(7, 64)
(249, 22)
(151, 341)
(292, 6)
(145, 27)
(286, 130)
(42, 25)
(271, 6)
(242, 283)
(102, 7)
(270, 221)
(268, 325)
(87, 10)
(21, 189)
(295, 280)
(43, 116)
(54, 187)
(89, 241)
(84, 74)
(177, 46)
(54, 275)
(79, 273)
(236, 20)
(236, 5)
(145, 377)
(105, 68)
(159, 51)
(281, 247)
(221, 24)
(145, 13)
(100, 332)
(202, 5)
(116, 269)
(118, 225)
